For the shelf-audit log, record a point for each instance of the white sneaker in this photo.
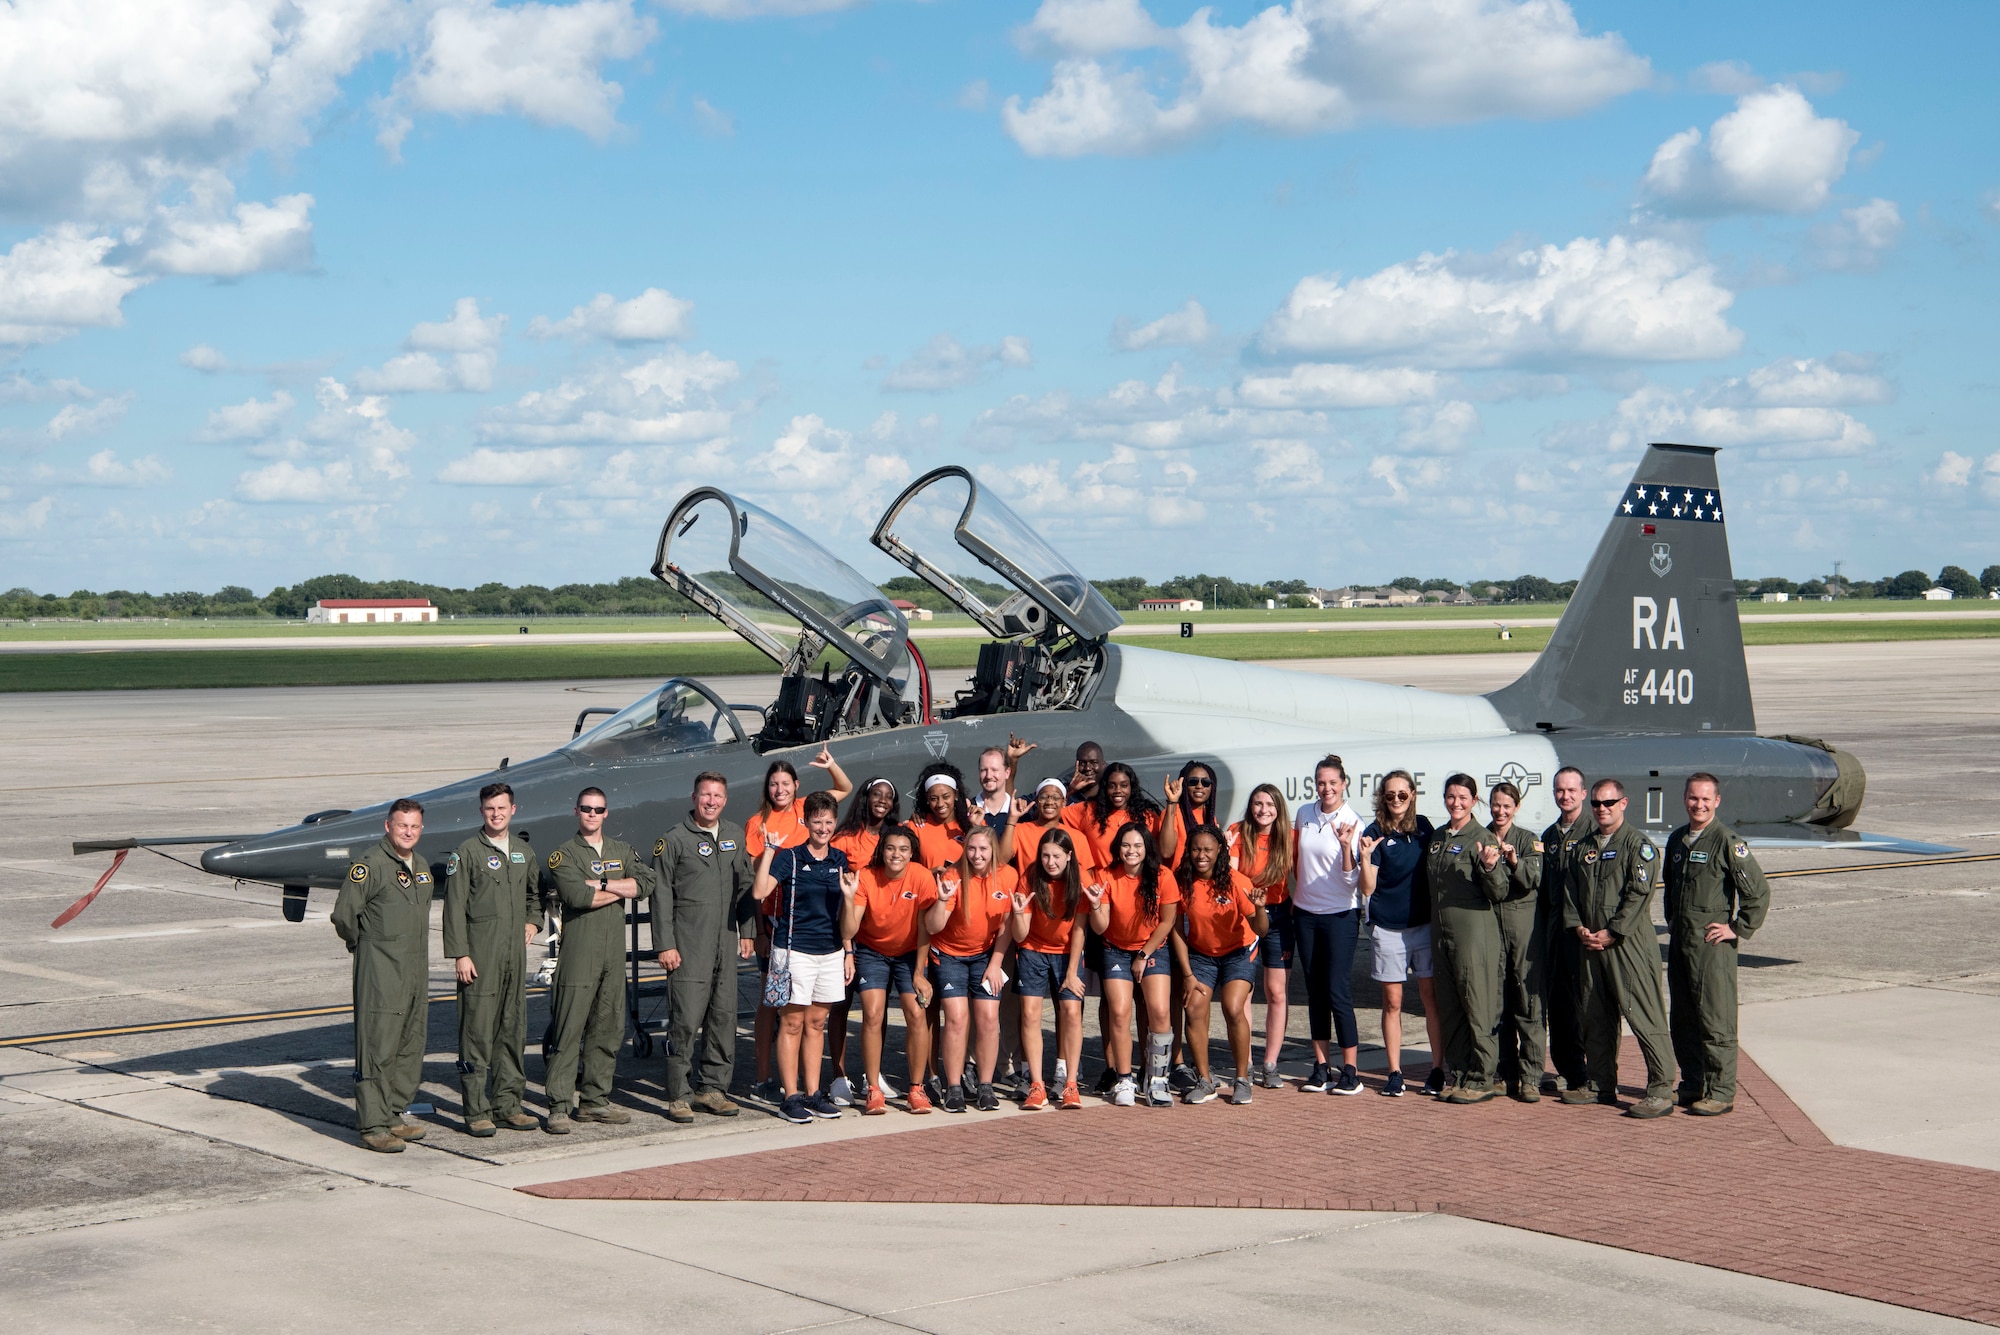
(889, 1090)
(1125, 1092)
(842, 1093)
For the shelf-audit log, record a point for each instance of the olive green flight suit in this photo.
(491, 895)
(384, 915)
(1611, 885)
(1711, 877)
(1524, 978)
(1562, 967)
(702, 908)
(589, 1006)
(1466, 951)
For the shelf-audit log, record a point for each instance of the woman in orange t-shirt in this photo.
(1222, 916)
(940, 820)
(779, 822)
(1119, 799)
(1260, 846)
(1048, 923)
(885, 921)
(1036, 816)
(966, 950)
(1132, 908)
(876, 806)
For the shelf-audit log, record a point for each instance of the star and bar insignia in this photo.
(1653, 500)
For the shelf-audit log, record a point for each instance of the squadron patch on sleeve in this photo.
(1645, 852)
(660, 847)
(358, 872)
(555, 859)
(451, 865)
(1742, 850)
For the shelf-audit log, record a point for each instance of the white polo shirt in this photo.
(1325, 885)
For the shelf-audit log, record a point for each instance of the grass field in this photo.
(528, 661)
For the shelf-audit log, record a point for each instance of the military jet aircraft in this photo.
(1643, 681)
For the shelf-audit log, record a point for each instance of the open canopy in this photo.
(769, 582)
(947, 507)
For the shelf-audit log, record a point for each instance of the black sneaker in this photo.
(1183, 1078)
(1107, 1082)
(794, 1109)
(1317, 1082)
(822, 1106)
(1349, 1082)
(1434, 1083)
(935, 1088)
(988, 1101)
(954, 1099)
(1392, 1088)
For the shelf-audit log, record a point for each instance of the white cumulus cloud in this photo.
(827, 474)
(457, 354)
(1592, 300)
(350, 450)
(84, 419)
(664, 400)
(1862, 237)
(945, 363)
(486, 467)
(1953, 470)
(1772, 154)
(57, 283)
(211, 235)
(654, 316)
(1187, 327)
(1312, 65)
(106, 469)
(1437, 428)
(754, 9)
(253, 419)
(1337, 385)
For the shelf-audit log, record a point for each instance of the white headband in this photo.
(884, 783)
(1056, 784)
(937, 779)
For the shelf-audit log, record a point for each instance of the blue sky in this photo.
(1333, 290)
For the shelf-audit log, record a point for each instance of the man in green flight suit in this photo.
(1610, 912)
(1562, 844)
(595, 876)
(1467, 879)
(704, 921)
(492, 905)
(1523, 981)
(1716, 897)
(384, 915)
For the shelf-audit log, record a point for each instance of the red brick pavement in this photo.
(1760, 1191)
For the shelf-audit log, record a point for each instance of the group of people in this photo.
(986, 905)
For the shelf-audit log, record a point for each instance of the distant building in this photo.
(1170, 604)
(910, 611)
(1937, 595)
(1780, 597)
(366, 611)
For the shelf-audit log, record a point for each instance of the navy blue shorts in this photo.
(1041, 974)
(1118, 963)
(1238, 966)
(876, 972)
(1280, 942)
(961, 976)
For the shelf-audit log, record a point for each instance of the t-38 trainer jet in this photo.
(1643, 681)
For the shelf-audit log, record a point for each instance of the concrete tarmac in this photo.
(143, 1177)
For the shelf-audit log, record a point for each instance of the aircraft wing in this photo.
(1807, 837)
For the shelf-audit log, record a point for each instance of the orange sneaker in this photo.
(1070, 1098)
(877, 1105)
(1038, 1097)
(919, 1101)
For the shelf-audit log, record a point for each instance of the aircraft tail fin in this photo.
(1650, 641)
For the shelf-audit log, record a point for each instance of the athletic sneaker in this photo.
(1272, 1080)
(1107, 1082)
(1349, 1082)
(1124, 1091)
(1393, 1087)
(841, 1092)
(1062, 1073)
(1183, 1078)
(794, 1109)
(934, 1087)
(822, 1106)
(768, 1090)
(1038, 1097)
(1318, 1080)
(919, 1102)
(1201, 1091)
(888, 1090)
(954, 1099)
(1071, 1100)
(876, 1105)
(1241, 1094)
(988, 1100)
(1158, 1093)
(971, 1077)
(1434, 1083)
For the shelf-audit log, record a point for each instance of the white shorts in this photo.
(817, 980)
(1396, 953)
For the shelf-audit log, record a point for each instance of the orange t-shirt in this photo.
(977, 916)
(1028, 848)
(780, 829)
(1202, 816)
(938, 844)
(859, 845)
(1131, 926)
(889, 927)
(1250, 861)
(1100, 839)
(1049, 934)
(1217, 914)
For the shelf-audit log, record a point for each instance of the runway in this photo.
(146, 1173)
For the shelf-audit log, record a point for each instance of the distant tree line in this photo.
(634, 596)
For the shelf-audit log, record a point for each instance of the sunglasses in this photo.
(592, 811)
(1395, 797)
(1201, 783)
(1597, 802)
